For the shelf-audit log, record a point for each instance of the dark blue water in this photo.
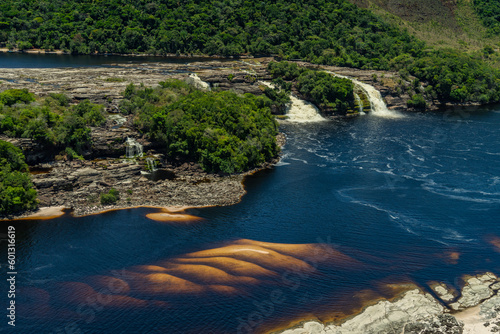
(31, 60)
(410, 199)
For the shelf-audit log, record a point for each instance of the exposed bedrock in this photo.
(418, 312)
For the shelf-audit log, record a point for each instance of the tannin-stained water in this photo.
(370, 201)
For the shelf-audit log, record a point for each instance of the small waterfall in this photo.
(118, 119)
(360, 103)
(195, 80)
(151, 164)
(378, 107)
(299, 111)
(133, 148)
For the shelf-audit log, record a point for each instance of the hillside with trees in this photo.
(323, 32)
(489, 11)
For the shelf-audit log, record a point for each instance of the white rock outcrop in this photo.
(418, 312)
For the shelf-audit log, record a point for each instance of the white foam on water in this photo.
(282, 160)
(411, 225)
(377, 104)
(195, 80)
(300, 111)
(301, 160)
(281, 163)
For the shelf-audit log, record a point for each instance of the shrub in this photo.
(62, 99)
(13, 96)
(71, 154)
(92, 114)
(417, 101)
(51, 122)
(16, 190)
(114, 79)
(115, 193)
(110, 198)
(12, 156)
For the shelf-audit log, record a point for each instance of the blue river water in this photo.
(34, 60)
(412, 199)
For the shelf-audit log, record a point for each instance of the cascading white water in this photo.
(195, 80)
(118, 119)
(133, 148)
(378, 107)
(360, 103)
(299, 111)
(151, 164)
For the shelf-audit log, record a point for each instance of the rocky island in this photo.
(77, 184)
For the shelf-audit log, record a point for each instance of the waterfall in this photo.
(118, 119)
(360, 103)
(133, 148)
(195, 80)
(378, 107)
(299, 111)
(151, 164)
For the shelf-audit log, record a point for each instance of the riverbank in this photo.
(167, 55)
(78, 184)
(439, 310)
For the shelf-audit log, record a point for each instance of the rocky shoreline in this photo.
(475, 310)
(77, 184)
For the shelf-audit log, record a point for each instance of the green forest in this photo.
(50, 121)
(321, 88)
(323, 32)
(16, 190)
(223, 131)
(489, 12)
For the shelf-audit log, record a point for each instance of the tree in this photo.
(16, 190)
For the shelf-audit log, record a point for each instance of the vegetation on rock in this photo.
(49, 121)
(16, 190)
(223, 131)
(454, 77)
(110, 198)
(12, 96)
(321, 88)
(327, 91)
